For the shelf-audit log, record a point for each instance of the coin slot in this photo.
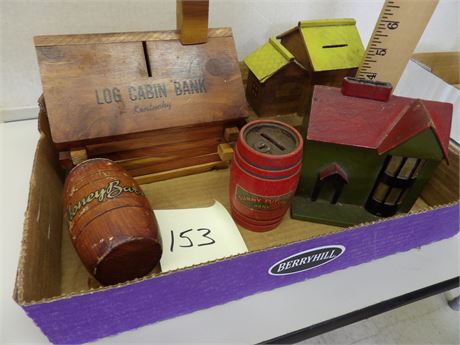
(147, 59)
(271, 138)
(273, 141)
(335, 46)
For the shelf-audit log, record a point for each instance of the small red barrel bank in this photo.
(110, 222)
(264, 173)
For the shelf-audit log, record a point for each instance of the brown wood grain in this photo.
(119, 37)
(65, 160)
(174, 164)
(185, 171)
(231, 134)
(186, 149)
(110, 222)
(290, 89)
(280, 94)
(117, 95)
(294, 42)
(183, 133)
(267, 105)
(192, 20)
(143, 162)
(101, 91)
(163, 137)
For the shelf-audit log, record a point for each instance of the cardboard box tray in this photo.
(55, 291)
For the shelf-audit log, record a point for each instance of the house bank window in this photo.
(255, 88)
(394, 181)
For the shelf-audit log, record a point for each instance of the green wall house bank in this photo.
(366, 157)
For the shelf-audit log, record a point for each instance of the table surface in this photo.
(250, 320)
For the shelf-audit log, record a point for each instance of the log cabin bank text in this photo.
(174, 88)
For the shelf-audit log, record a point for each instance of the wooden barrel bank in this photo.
(264, 173)
(110, 222)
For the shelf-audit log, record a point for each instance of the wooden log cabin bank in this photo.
(142, 99)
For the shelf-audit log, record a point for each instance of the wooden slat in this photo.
(166, 175)
(145, 159)
(78, 155)
(164, 137)
(190, 148)
(225, 152)
(192, 20)
(174, 164)
(231, 134)
(143, 162)
(119, 37)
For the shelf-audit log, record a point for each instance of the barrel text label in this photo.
(261, 202)
(111, 191)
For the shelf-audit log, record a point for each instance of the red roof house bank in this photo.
(368, 154)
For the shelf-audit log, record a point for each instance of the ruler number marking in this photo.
(392, 25)
(376, 64)
(371, 76)
(368, 75)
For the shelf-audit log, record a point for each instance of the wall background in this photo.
(253, 21)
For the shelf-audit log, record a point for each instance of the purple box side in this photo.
(91, 316)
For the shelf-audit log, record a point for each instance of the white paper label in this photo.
(197, 235)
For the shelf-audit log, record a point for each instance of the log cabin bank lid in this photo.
(100, 86)
(411, 127)
(330, 44)
(266, 60)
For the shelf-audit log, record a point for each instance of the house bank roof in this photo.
(372, 124)
(331, 43)
(268, 59)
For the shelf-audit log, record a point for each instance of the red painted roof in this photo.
(333, 169)
(407, 125)
(372, 124)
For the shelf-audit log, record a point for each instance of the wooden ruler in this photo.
(400, 25)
